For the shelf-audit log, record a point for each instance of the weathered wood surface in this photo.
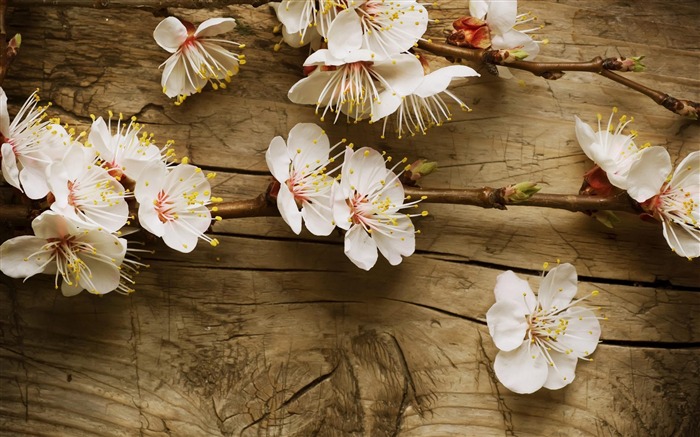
(274, 334)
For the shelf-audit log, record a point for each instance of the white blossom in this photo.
(367, 203)
(300, 166)
(197, 57)
(173, 204)
(85, 258)
(541, 337)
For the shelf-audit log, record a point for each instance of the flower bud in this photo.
(420, 168)
(470, 32)
(520, 192)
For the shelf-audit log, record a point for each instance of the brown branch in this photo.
(261, 206)
(554, 70)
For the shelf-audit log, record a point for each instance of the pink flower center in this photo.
(164, 207)
(358, 208)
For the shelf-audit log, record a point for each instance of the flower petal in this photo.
(402, 73)
(582, 331)
(509, 287)
(341, 210)
(215, 26)
(501, 16)
(514, 39)
(684, 239)
(33, 180)
(170, 34)
(4, 115)
(278, 160)
(103, 276)
(308, 146)
(522, 370)
(400, 242)
(308, 90)
(478, 8)
(648, 173)
(558, 287)
(15, 260)
(345, 34)
(360, 248)
(318, 215)
(563, 372)
(10, 171)
(507, 324)
(288, 208)
(438, 81)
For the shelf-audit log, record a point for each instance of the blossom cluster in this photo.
(646, 173)
(87, 183)
(361, 196)
(362, 66)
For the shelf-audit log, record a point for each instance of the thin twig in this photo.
(554, 70)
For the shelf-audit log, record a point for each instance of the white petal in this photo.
(687, 173)
(182, 234)
(360, 248)
(308, 90)
(563, 372)
(399, 244)
(148, 217)
(587, 139)
(308, 146)
(104, 276)
(582, 331)
(438, 81)
(14, 256)
(507, 324)
(101, 138)
(558, 287)
(478, 8)
(71, 289)
(170, 34)
(683, 239)
(341, 209)
(292, 13)
(33, 180)
(278, 160)
(516, 40)
(53, 225)
(288, 208)
(522, 370)
(402, 74)
(388, 103)
(4, 115)
(10, 171)
(501, 15)
(345, 33)
(215, 26)
(318, 215)
(648, 173)
(509, 287)
(365, 170)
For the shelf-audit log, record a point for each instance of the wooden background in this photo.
(276, 334)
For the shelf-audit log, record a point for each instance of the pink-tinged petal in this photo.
(53, 225)
(308, 90)
(395, 240)
(438, 81)
(360, 248)
(522, 370)
(15, 260)
(308, 147)
(582, 331)
(318, 216)
(4, 115)
(170, 34)
(10, 171)
(103, 277)
(478, 8)
(34, 182)
(215, 26)
(288, 208)
(563, 372)
(345, 33)
(341, 210)
(501, 15)
(648, 173)
(148, 217)
(558, 287)
(516, 40)
(684, 239)
(402, 74)
(507, 324)
(509, 287)
(278, 160)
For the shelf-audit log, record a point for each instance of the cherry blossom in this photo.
(85, 258)
(197, 57)
(29, 144)
(173, 204)
(367, 203)
(540, 337)
(300, 166)
(501, 17)
(353, 84)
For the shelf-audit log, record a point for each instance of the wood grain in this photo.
(276, 334)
